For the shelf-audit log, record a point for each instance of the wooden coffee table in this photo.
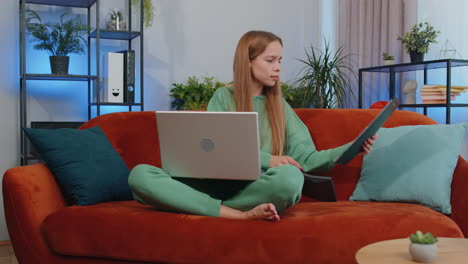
(451, 250)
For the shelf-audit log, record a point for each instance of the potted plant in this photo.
(60, 39)
(388, 59)
(323, 81)
(416, 42)
(148, 11)
(423, 247)
(194, 94)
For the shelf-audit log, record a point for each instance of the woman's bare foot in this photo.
(266, 211)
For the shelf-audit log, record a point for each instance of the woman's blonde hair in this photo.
(252, 44)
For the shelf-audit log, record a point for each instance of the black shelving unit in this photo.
(425, 66)
(97, 34)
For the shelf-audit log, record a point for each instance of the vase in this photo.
(416, 57)
(425, 253)
(116, 20)
(388, 62)
(59, 64)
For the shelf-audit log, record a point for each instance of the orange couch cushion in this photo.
(307, 233)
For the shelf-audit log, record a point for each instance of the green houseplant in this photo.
(324, 81)
(194, 93)
(59, 39)
(416, 42)
(387, 59)
(292, 95)
(423, 247)
(148, 11)
(386, 56)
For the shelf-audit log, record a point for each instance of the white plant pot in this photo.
(388, 62)
(423, 252)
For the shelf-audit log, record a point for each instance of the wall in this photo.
(187, 38)
(190, 38)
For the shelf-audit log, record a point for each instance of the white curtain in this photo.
(367, 28)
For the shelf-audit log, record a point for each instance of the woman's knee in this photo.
(287, 180)
(141, 174)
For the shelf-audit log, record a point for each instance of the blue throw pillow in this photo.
(412, 164)
(85, 164)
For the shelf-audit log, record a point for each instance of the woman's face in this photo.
(265, 68)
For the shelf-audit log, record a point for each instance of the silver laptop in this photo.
(212, 145)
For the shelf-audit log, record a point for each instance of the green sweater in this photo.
(299, 144)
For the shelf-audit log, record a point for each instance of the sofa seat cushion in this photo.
(314, 232)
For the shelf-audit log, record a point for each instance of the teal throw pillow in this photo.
(85, 164)
(412, 164)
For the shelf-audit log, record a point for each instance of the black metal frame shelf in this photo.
(116, 34)
(57, 77)
(425, 66)
(117, 104)
(69, 3)
(92, 79)
(30, 156)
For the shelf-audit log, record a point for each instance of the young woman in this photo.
(286, 146)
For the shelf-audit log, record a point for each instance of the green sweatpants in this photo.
(281, 186)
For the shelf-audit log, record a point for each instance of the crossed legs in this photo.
(276, 190)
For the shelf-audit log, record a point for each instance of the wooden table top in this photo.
(450, 250)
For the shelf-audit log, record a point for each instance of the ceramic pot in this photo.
(388, 62)
(423, 252)
(416, 57)
(59, 64)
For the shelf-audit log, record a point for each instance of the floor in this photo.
(7, 256)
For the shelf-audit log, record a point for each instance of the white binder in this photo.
(113, 78)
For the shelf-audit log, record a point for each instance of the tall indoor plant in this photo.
(325, 79)
(416, 42)
(59, 39)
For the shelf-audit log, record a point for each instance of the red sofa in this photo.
(44, 229)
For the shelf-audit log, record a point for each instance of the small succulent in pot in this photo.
(423, 247)
(387, 58)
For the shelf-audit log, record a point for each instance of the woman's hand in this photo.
(367, 146)
(283, 160)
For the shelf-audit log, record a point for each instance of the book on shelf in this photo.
(437, 94)
(129, 76)
(434, 101)
(437, 97)
(443, 88)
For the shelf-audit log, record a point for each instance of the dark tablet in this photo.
(369, 131)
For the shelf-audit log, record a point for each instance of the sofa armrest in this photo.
(459, 196)
(30, 194)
